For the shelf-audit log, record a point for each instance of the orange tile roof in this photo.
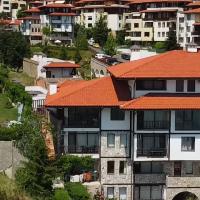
(62, 14)
(172, 64)
(159, 10)
(192, 11)
(32, 10)
(98, 92)
(158, 1)
(164, 102)
(30, 18)
(57, 5)
(62, 65)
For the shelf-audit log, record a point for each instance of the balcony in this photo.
(196, 33)
(182, 182)
(153, 152)
(150, 178)
(152, 125)
(82, 149)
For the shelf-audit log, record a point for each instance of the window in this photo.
(122, 193)
(159, 24)
(163, 24)
(136, 34)
(110, 192)
(110, 167)
(163, 34)
(187, 120)
(89, 25)
(136, 25)
(187, 143)
(117, 114)
(151, 85)
(179, 85)
(188, 28)
(111, 140)
(89, 17)
(146, 34)
(188, 17)
(189, 167)
(122, 167)
(123, 140)
(191, 85)
(158, 34)
(149, 167)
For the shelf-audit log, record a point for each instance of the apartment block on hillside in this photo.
(141, 124)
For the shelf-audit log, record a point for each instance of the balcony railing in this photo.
(153, 125)
(83, 123)
(82, 149)
(154, 152)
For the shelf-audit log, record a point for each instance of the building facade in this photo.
(141, 123)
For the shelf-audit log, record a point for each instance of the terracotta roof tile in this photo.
(192, 11)
(193, 4)
(98, 92)
(164, 102)
(57, 5)
(62, 65)
(158, 10)
(158, 1)
(32, 10)
(62, 14)
(173, 64)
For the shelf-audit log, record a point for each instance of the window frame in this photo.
(124, 167)
(191, 85)
(117, 112)
(180, 88)
(112, 167)
(123, 146)
(108, 145)
(192, 144)
(140, 85)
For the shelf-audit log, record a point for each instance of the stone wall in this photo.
(116, 151)
(30, 67)
(116, 177)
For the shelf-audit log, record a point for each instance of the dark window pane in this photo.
(191, 85)
(179, 85)
(151, 84)
(187, 143)
(110, 167)
(117, 114)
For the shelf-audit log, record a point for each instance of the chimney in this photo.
(52, 88)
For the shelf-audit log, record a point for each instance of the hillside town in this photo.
(99, 100)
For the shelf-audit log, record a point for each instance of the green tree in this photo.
(61, 194)
(77, 56)
(21, 13)
(171, 42)
(100, 31)
(13, 48)
(5, 15)
(81, 39)
(63, 53)
(37, 172)
(110, 46)
(160, 47)
(120, 37)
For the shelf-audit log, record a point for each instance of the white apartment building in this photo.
(150, 21)
(141, 124)
(58, 17)
(89, 12)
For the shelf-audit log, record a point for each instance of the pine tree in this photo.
(171, 42)
(110, 46)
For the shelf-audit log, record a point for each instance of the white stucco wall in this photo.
(175, 147)
(107, 124)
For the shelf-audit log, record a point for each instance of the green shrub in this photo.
(61, 195)
(8, 105)
(77, 191)
(7, 134)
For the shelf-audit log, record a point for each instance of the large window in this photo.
(117, 114)
(149, 192)
(187, 143)
(83, 117)
(148, 167)
(187, 120)
(151, 85)
(122, 193)
(152, 119)
(110, 167)
(151, 145)
(83, 142)
(191, 85)
(111, 140)
(189, 167)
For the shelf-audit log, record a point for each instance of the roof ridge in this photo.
(129, 102)
(149, 60)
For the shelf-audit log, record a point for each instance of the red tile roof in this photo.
(158, 10)
(30, 18)
(172, 64)
(164, 102)
(98, 92)
(193, 11)
(158, 1)
(15, 22)
(62, 65)
(197, 3)
(196, 24)
(32, 10)
(62, 14)
(57, 5)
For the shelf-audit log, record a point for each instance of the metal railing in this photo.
(153, 152)
(82, 149)
(153, 124)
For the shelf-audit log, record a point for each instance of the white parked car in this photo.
(101, 55)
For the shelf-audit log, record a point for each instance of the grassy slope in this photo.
(5, 113)
(9, 190)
